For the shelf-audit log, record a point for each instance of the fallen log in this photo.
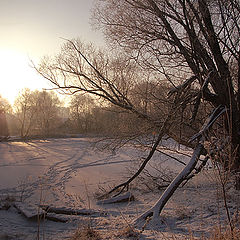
(55, 218)
(127, 197)
(68, 211)
(30, 211)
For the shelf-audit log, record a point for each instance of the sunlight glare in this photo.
(16, 74)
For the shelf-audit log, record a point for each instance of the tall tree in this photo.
(183, 39)
(190, 47)
(25, 112)
(47, 106)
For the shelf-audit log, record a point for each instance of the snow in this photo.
(68, 172)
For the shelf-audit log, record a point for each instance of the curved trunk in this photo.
(158, 206)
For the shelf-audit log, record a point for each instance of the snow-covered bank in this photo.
(67, 172)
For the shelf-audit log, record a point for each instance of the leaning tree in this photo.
(190, 47)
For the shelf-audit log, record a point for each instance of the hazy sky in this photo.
(30, 29)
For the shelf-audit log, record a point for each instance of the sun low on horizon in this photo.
(32, 29)
(16, 73)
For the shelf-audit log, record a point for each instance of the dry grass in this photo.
(182, 212)
(219, 234)
(86, 233)
(6, 202)
(128, 232)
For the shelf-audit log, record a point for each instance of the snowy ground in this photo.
(68, 172)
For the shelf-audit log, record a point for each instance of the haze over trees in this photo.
(42, 114)
(188, 49)
(5, 108)
(37, 112)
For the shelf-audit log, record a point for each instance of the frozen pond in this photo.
(60, 166)
(64, 167)
(68, 172)
(62, 172)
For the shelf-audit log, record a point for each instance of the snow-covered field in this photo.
(68, 172)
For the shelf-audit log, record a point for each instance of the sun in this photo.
(16, 73)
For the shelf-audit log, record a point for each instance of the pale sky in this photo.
(30, 29)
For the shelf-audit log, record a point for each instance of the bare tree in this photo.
(25, 112)
(5, 106)
(37, 112)
(81, 108)
(47, 106)
(180, 39)
(191, 47)
(77, 69)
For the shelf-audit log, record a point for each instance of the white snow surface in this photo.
(68, 173)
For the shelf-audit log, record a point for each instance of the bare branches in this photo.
(162, 132)
(185, 174)
(182, 86)
(209, 122)
(199, 35)
(73, 71)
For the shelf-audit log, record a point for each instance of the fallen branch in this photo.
(55, 218)
(127, 197)
(4, 139)
(185, 173)
(156, 209)
(124, 185)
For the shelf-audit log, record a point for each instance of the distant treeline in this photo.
(43, 114)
